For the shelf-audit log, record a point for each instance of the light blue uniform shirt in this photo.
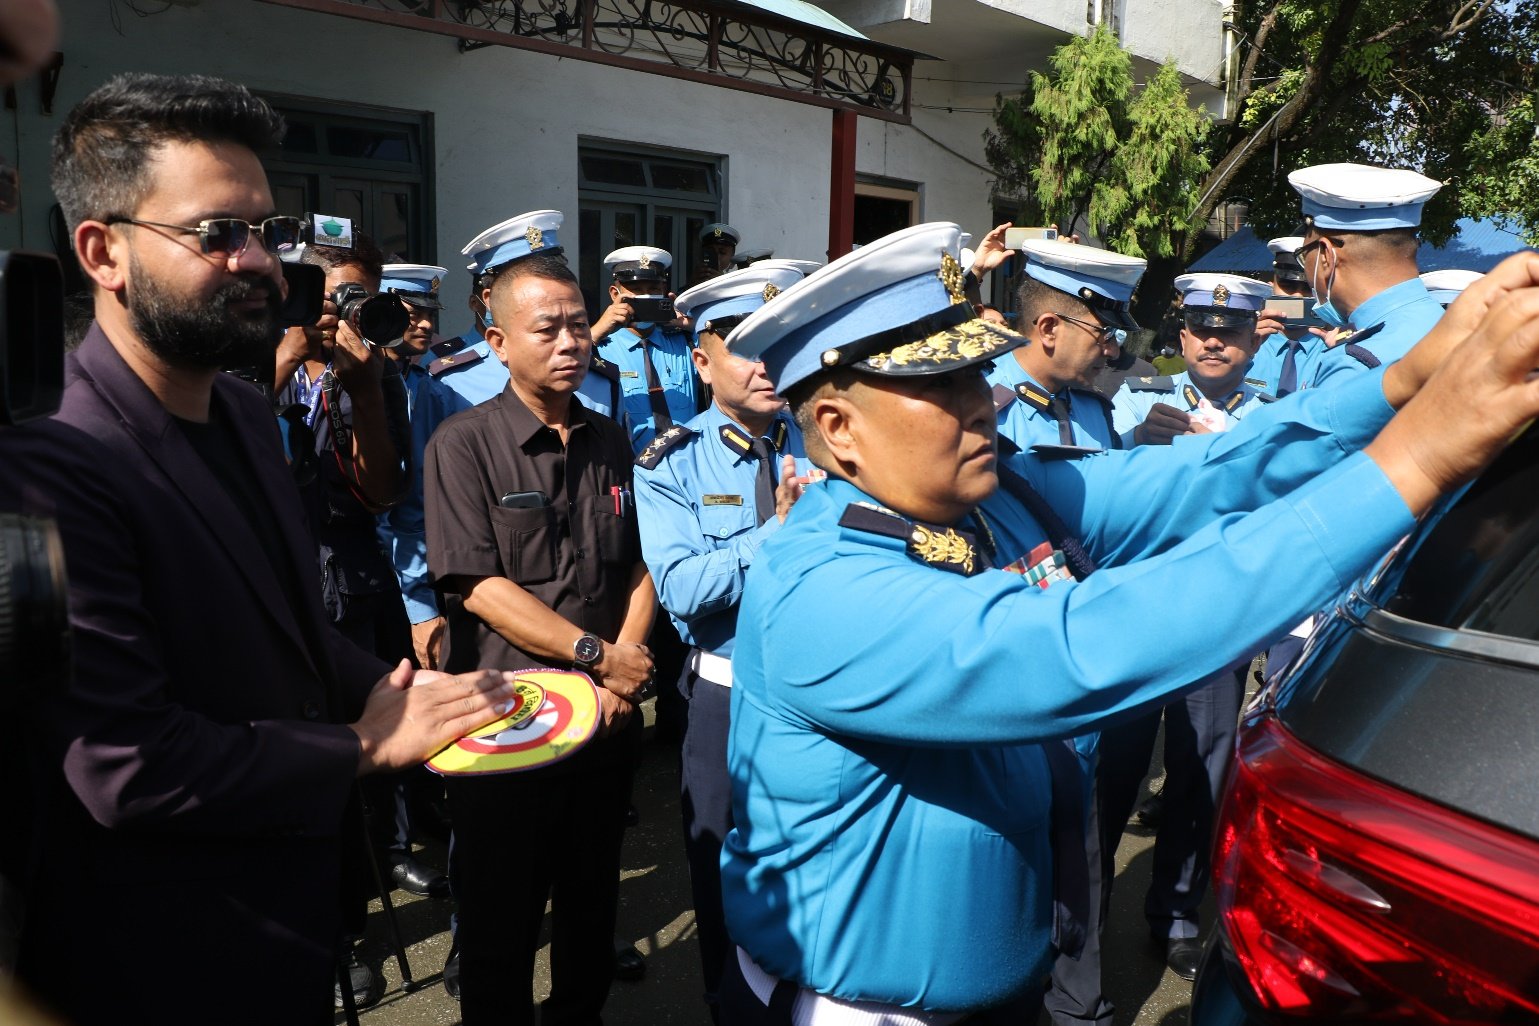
(1025, 421)
(429, 402)
(1138, 396)
(697, 542)
(1266, 368)
(890, 795)
(1406, 311)
(675, 372)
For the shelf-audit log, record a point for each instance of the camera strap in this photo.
(308, 393)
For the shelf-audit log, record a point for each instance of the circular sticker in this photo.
(554, 713)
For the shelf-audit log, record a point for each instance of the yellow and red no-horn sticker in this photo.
(555, 713)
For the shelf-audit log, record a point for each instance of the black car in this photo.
(1376, 859)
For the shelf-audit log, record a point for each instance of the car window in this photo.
(1474, 565)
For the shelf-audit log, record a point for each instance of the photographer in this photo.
(195, 778)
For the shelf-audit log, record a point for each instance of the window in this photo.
(370, 164)
(638, 196)
(883, 206)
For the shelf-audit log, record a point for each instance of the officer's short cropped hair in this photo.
(102, 152)
(1400, 243)
(549, 266)
(1034, 299)
(799, 397)
(365, 255)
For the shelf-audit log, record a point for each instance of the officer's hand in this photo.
(427, 642)
(991, 251)
(1423, 450)
(1161, 425)
(408, 718)
(1270, 322)
(789, 489)
(613, 319)
(614, 712)
(1405, 377)
(625, 668)
(358, 365)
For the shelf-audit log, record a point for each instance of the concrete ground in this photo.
(655, 914)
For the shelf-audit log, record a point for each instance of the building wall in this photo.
(506, 122)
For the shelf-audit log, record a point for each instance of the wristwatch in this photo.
(587, 650)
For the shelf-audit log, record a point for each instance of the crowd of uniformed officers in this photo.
(889, 537)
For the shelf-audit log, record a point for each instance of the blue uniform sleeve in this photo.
(692, 578)
(1334, 367)
(997, 660)
(1183, 486)
(1129, 409)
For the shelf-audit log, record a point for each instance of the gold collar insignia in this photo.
(941, 546)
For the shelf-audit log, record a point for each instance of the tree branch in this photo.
(1468, 14)
(1257, 45)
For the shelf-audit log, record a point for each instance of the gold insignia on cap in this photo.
(535, 237)
(771, 290)
(645, 261)
(717, 233)
(952, 276)
(1220, 295)
(969, 340)
(433, 285)
(935, 546)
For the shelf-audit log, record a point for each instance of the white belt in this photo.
(814, 1009)
(708, 666)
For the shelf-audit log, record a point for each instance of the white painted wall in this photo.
(507, 122)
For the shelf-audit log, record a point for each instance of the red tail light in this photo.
(1346, 899)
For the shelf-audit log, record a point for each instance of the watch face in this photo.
(587, 649)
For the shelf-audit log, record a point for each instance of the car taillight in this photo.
(1346, 899)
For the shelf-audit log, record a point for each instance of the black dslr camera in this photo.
(380, 320)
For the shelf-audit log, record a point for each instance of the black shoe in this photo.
(413, 877)
(452, 972)
(1183, 955)
(630, 964)
(1150, 810)
(367, 988)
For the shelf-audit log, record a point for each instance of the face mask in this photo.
(1323, 307)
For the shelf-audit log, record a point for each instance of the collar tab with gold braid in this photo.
(736, 439)
(953, 549)
(1033, 396)
(662, 445)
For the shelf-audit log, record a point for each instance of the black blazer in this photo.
(192, 775)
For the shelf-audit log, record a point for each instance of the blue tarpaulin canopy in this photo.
(1479, 246)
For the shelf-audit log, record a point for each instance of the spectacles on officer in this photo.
(229, 236)
(1106, 334)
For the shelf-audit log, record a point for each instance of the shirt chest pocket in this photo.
(722, 522)
(612, 533)
(526, 542)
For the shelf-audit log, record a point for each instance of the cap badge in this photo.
(771, 290)
(644, 261)
(535, 237)
(951, 276)
(433, 285)
(717, 233)
(1221, 295)
(945, 547)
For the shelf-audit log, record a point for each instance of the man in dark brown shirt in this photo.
(530, 523)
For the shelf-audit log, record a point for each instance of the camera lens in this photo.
(34, 619)
(381, 321)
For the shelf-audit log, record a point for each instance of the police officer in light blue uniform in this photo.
(898, 797)
(1072, 302)
(429, 402)
(1285, 358)
(1361, 232)
(466, 363)
(708, 495)
(657, 375)
(1218, 339)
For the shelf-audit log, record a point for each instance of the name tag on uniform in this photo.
(722, 500)
(627, 374)
(1042, 566)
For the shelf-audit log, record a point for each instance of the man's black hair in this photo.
(550, 266)
(1034, 299)
(102, 153)
(365, 254)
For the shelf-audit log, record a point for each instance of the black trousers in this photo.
(521, 838)
(706, 804)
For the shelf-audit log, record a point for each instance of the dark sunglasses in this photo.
(1105, 333)
(229, 236)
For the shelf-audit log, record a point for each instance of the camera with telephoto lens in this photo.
(380, 320)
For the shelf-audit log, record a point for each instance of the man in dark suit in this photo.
(196, 772)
